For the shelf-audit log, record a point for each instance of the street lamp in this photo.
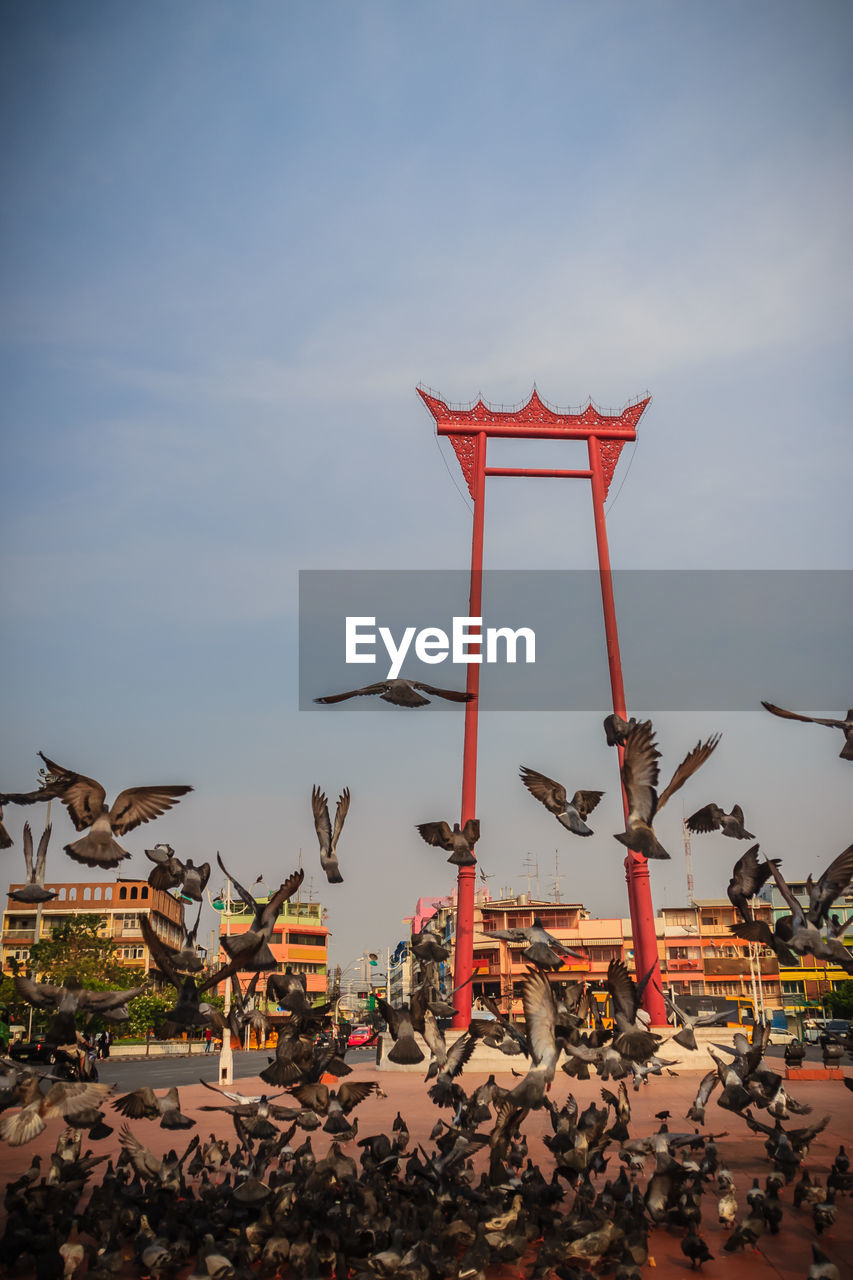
(222, 902)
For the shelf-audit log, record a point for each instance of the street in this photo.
(161, 1072)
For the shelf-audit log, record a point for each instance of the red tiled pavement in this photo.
(786, 1255)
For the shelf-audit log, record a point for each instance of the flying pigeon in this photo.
(616, 729)
(34, 890)
(553, 795)
(748, 877)
(640, 779)
(845, 725)
(251, 948)
(85, 800)
(460, 840)
(171, 873)
(329, 838)
(713, 818)
(543, 949)
(71, 999)
(401, 693)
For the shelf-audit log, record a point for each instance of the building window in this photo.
(97, 892)
(62, 894)
(72, 894)
(305, 939)
(87, 893)
(133, 891)
(144, 893)
(518, 919)
(108, 893)
(489, 924)
(122, 893)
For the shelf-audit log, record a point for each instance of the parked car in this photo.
(65, 1066)
(360, 1036)
(31, 1051)
(814, 1028)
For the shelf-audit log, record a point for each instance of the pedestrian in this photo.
(208, 1039)
(104, 1040)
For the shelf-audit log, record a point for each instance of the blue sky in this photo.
(234, 239)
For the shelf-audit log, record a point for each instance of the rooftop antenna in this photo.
(531, 869)
(556, 875)
(688, 862)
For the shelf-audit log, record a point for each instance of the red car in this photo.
(360, 1036)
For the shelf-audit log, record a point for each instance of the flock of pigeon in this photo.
(269, 1206)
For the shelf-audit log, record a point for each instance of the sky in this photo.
(235, 239)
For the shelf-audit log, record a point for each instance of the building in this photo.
(698, 954)
(499, 968)
(121, 903)
(299, 939)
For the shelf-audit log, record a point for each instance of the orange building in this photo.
(299, 940)
(499, 969)
(120, 903)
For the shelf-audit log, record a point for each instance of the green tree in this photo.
(75, 950)
(839, 1001)
(147, 1010)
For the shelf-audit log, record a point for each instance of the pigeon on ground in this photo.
(85, 800)
(640, 780)
(401, 693)
(34, 890)
(845, 725)
(713, 818)
(459, 840)
(570, 813)
(329, 838)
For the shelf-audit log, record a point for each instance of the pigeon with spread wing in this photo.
(458, 840)
(189, 1011)
(570, 813)
(640, 779)
(171, 873)
(713, 818)
(845, 725)
(34, 890)
(71, 999)
(400, 693)
(85, 800)
(252, 947)
(325, 834)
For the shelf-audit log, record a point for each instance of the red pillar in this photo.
(464, 960)
(636, 866)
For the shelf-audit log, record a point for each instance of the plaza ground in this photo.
(785, 1255)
